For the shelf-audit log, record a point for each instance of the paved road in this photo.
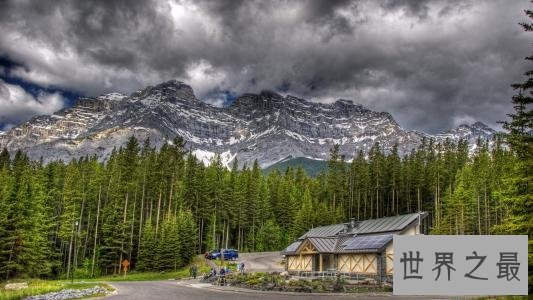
(190, 290)
(262, 261)
(258, 262)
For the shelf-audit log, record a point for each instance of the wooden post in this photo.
(320, 262)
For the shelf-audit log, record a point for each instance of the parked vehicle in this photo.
(229, 254)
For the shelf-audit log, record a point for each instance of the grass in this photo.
(232, 265)
(39, 287)
(146, 276)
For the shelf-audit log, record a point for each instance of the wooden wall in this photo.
(358, 263)
(300, 263)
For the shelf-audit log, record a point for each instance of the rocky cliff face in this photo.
(267, 127)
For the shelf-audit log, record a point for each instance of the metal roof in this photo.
(323, 231)
(292, 247)
(387, 224)
(337, 237)
(326, 245)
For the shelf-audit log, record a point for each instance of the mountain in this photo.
(471, 133)
(265, 126)
(311, 166)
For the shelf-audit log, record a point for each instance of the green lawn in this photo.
(143, 276)
(232, 265)
(39, 287)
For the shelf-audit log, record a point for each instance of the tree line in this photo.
(158, 208)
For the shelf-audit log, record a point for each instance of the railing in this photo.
(333, 274)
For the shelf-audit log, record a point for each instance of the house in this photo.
(357, 247)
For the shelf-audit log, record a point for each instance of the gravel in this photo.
(69, 294)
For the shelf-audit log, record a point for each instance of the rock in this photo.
(69, 294)
(16, 286)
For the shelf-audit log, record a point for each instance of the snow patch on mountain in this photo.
(266, 127)
(207, 157)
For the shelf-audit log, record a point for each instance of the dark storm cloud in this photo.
(432, 64)
(417, 8)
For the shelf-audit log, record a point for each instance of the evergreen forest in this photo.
(159, 208)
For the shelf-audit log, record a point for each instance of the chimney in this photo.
(348, 227)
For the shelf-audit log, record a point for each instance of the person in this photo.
(239, 267)
(222, 278)
(194, 271)
(190, 271)
(242, 268)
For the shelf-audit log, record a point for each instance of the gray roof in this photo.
(335, 238)
(324, 245)
(388, 224)
(323, 231)
(292, 247)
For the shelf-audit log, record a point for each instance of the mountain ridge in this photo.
(266, 126)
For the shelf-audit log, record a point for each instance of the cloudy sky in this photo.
(432, 64)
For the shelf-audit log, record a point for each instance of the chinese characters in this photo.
(508, 265)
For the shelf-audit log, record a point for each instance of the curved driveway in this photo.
(193, 289)
(189, 290)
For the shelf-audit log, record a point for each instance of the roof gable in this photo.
(324, 245)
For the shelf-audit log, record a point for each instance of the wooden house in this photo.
(356, 247)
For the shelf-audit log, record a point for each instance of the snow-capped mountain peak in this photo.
(267, 127)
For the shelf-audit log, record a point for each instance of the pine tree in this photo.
(7, 185)
(269, 237)
(5, 160)
(187, 232)
(517, 185)
(306, 216)
(147, 248)
(167, 249)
